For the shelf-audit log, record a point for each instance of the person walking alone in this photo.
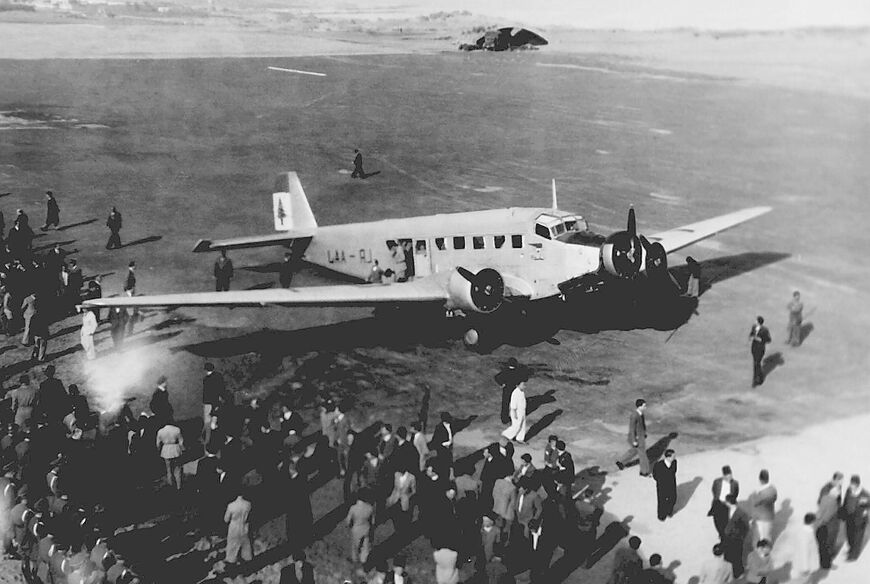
(759, 337)
(358, 171)
(114, 223)
(52, 211)
(636, 439)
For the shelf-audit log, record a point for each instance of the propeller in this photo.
(632, 223)
(487, 287)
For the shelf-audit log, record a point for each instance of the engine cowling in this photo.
(656, 260)
(622, 254)
(481, 292)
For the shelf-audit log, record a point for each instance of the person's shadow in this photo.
(685, 492)
(780, 519)
(366, 175)
(771, 362)
(806, 329)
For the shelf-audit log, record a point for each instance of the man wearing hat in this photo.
(25, 399)
(130, 290)
(52, 211)
(507, 380)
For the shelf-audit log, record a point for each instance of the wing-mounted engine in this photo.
(655, 258)
(622, 252)
(481, 292)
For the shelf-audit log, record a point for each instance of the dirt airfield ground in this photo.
(682, 126)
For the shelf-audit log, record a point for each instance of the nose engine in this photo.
(481, 292)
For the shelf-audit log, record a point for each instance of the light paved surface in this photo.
(799, 465)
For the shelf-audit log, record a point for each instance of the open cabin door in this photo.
(422, 259)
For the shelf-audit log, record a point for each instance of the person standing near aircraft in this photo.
(52, 212)
(636, 439)
(285, 271)
(795, 319)
(358, 171)
(693, 285)
(223, 272)
(114, 223)
(759, 337)
(376, 276)
(517, 429)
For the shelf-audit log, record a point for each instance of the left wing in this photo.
(428, 289)
(674, 239)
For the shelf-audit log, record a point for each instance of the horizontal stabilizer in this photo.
(285, 238)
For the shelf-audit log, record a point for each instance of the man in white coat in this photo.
(517, 429)
(89, 327)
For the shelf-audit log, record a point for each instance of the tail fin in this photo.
(290, 205)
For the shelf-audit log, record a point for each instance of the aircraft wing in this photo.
(280, 238)
(416, 291)
(674, 239)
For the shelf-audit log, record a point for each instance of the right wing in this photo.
(423, 290)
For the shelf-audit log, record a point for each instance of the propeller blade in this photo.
(465, 274)
(632, 222)
(645, 242)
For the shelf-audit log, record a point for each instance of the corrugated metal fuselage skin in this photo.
(502, 239)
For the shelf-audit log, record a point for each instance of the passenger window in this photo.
(542, 231)
(439, 243)
(458, 243)
(517, 241)
(477, 241)
(362, 255)
(498, 240)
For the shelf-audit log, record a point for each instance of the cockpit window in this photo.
(571, 224)
(560, 228)
(542, 230)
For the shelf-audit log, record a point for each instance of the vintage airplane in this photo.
(472, 264)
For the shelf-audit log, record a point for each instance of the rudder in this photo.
(290, 206)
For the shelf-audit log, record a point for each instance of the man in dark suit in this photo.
(299, 518)
(636, 439)
(856, 506)
(223, 272)
(759, 337)
(722, 487)
(734, 537)
(540, 545)
(665, 475)
(114, 223)
(160, 406)
(442, 442)
(564, 468)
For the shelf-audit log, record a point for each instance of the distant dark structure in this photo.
(506, 39)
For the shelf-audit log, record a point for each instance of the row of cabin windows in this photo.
(479, 242)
